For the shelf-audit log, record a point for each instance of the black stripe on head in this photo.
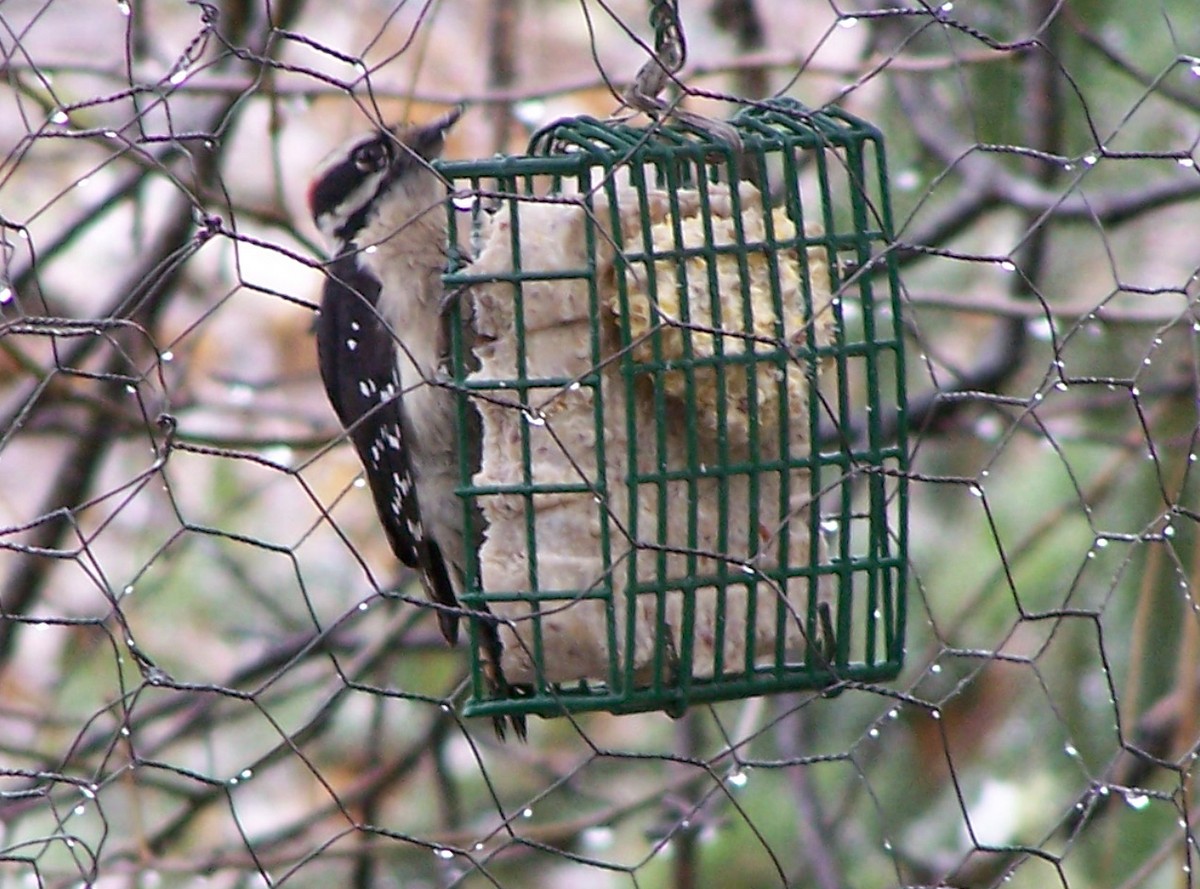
(342, 196)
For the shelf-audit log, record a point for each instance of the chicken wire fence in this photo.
(212, 671)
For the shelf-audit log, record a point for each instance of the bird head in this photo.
(352, 182)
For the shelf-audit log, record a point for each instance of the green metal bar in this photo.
(598, 413)
(790, 462)
(898, 595)
(684, 655)
(629, 379)
(855, 168)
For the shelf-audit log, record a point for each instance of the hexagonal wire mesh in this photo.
(679, 507)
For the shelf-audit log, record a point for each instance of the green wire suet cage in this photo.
(686, 367)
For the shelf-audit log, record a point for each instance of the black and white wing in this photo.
(357, 357)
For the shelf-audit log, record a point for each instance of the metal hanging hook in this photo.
(670, 54)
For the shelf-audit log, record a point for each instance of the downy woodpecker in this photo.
(382, 341)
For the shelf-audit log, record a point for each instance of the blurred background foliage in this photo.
(206, 676)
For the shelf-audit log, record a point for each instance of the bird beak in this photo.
(427, 140)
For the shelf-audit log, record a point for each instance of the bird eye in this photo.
(370, 158)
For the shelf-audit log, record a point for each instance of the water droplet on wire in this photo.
(1137, 801)
(241, 394)
(1041, 329)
